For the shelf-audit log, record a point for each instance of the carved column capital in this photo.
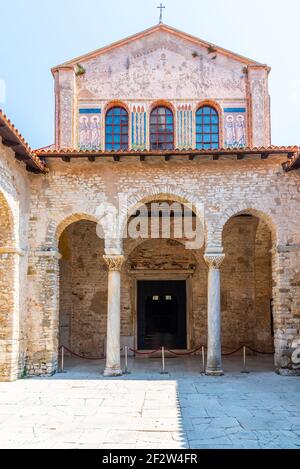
(114, 263)
(214, 261)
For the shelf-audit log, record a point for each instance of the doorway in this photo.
(162, 314)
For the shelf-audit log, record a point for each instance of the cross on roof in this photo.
(161, 8)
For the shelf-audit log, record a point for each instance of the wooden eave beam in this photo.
(10, 143)
(264, 155)
(66, 158)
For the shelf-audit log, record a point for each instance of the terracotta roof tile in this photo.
(19, 145)
(85, 153)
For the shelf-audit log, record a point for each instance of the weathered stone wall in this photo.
(83, 290)
(246, 285)
(14, 217)
(225, 188)
(29, 305)
(263, 288)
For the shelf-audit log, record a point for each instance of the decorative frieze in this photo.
(184, 127)
(235, 127)
(89, 129)
(138, 128)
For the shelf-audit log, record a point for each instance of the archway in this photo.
(83, 289)
(247, 316)
(162, 262)
(9, 308)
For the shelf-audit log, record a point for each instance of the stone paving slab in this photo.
(184, 409)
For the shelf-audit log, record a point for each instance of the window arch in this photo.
(161, 128)
(207, 128)
(116, 129)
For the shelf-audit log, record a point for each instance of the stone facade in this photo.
(161, 65)
(62, 284)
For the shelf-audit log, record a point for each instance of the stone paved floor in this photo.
(81, 409)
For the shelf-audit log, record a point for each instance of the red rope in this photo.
(144, 353)
(232, 353)
(186, 354)
(260, 353)
(80, 356)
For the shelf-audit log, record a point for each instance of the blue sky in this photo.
(37, 35)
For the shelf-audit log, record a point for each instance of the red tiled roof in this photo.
(12, 138)
(75, 153)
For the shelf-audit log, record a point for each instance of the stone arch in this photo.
(250, 268)
(156, 194)
(82, 287)
(9, 303)
(73, 219)
(164, 103)
(116, 103)
(7, 224)
(216, 226)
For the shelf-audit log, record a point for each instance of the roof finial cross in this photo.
(161, 8)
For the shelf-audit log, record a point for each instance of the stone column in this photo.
(113, 343)
(214, 354)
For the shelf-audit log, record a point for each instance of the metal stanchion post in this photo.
(163, 372)
(244, 361)
(126, 362)
(62, 360)
(203, 360)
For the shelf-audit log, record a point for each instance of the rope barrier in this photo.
(186, 354)
(232, 353)
(260, 353)
(80, 356)
(144, 353)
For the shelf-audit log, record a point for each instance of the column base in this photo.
(112, 372)
(214, 373)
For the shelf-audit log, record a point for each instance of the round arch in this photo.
(9, 293)
(163, 103)
(250, 272)
(57, 231)
(7, 223)
(261, 215)
(159, 194)
(115, 103)
(216, 225)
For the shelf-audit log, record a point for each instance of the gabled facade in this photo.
(161, 65)
(159, 117)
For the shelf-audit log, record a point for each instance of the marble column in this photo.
(214, 352)
(113, 343)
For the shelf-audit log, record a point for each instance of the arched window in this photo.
(161, 129)
(116, 129)
(207, 128)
